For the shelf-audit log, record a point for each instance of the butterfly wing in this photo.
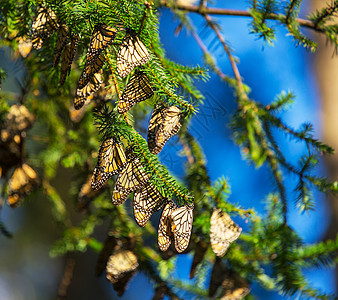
(23, 180)
(67, 57)
(138, 89)
(43, 26)
(111, 160)
(132, 53)
(82, 94)
(102, 37)
(146, 201)
(164, 230)
(61, 42)
(223, 231)
(90, 69)
(181, 226)
(169, 127)
(131, 178)
(154, 125)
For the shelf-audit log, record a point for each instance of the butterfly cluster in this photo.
(12, 140)
(132, 53)
(175, 222)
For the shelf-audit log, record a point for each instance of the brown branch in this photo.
(241, 92)
(236, 13)
(66, 279)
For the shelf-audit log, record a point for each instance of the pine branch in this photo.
(236, 13)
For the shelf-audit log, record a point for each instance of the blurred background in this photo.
(27, 271)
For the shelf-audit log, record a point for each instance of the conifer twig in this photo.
(66, 279)
(242, 94)
(236, 13)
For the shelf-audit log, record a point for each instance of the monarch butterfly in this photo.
(132, 53)
(82, 94)
(164, 123)
(138, 89)
(61, 42)
(223, 231)
(131, 178)
(164, 227)
(90, 69)
(120, 268)
(43, 26)
(23, 180)
(102, 37)
(67, 57)
(146, 201)
(181, 219)
(24, 46)
(111, 160)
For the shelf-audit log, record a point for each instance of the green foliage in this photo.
(270, 253)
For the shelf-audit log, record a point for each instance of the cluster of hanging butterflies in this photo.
(165, 121)
(12, 140)
(175, 223)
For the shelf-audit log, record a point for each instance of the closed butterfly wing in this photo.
(61, 42)
(132, 53)
(154, 125)
(146, 201)
(169, 127)
(223, 231)
(181, 225)
(43, 26)
(164, 227)
(120, 268)
(90, 69)
(23, 180)
(138, 89)
(82, 94)
(131, 178)
(67, 57)
(102, 37)
(111, 160)
(118, 197)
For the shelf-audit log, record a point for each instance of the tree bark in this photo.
(326, 71)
